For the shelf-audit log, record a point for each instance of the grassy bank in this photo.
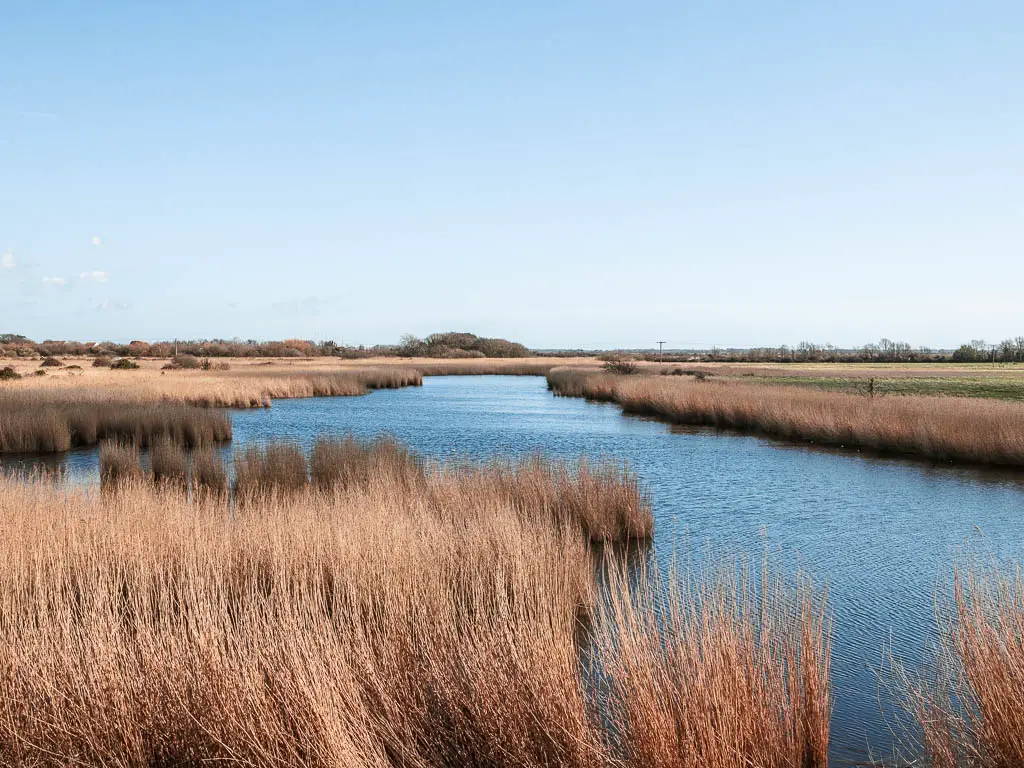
(945, 429)
(377, 617)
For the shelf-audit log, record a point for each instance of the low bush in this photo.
(102, 362)
(124, 364)
(51, 362)
(7, 373)
(621, 367)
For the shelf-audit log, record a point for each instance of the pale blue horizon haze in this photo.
(564, 174)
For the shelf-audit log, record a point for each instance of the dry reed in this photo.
(47, 421)
(261, 470)
(208, 473)
(348, 462)
(714, 670)
(167, 461)
(971, 713)
(369, 624)
(946, 429)
(120, 464)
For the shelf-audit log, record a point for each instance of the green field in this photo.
(1000, 388)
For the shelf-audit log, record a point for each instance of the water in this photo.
(880, 532)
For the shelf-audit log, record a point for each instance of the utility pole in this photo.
(661, 351)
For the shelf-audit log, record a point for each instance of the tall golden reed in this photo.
(365, 621)
(971, 713)
(942, 428)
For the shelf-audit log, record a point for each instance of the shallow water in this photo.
(879, 532)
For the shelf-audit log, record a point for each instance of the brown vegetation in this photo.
(208, 473)
(168, 462)
(120, 464)
(50, 420)
(971, 714)
(947, 429)
(720, 668)
(363, 625)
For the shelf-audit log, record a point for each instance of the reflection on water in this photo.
(880, 532)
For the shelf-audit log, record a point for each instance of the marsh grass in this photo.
(713, 669)
(54, 420)
(602, 498)
(368, 621)
(349, 462)
(120, 465)
(970, 712)
(261, 470)
(168, 462)
(944, 429)
(209, 476)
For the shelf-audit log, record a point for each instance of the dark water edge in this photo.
(881, 533)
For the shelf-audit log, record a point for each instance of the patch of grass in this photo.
(990, 388)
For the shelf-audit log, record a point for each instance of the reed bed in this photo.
(48, 421)
(717, 670)
(603, 499)
(260, 470)
(347, 462)
(484, 367)
(971, 714)
(120, 464)
(168, 462)
(364, 623)
(249, 386)
(209, 477)
(945, 429)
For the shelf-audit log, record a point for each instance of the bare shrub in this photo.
(621, 366)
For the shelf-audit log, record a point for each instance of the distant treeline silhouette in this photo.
(457, 345)
(438, 345)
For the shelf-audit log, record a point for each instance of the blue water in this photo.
(880, 533)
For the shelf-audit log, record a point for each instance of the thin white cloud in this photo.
(55, 281)
(96, 275)
(7, 261)
(28, 113)
(108, 304)
(96, 240)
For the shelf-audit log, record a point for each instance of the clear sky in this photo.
(565, 174)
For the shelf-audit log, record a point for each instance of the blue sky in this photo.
(566, 174)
